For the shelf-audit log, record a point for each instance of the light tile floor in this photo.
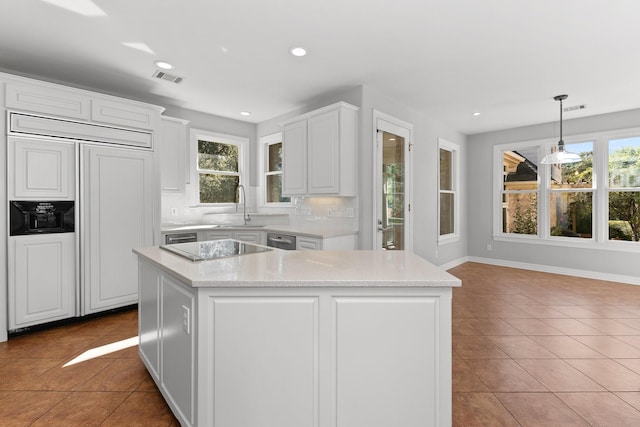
(529, 349)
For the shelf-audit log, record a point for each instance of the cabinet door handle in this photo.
(288, 242)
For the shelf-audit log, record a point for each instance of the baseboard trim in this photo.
(632, 280)
(454, 263)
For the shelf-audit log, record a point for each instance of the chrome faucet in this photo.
(245, 217)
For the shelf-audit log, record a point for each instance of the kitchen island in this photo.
(298, 338)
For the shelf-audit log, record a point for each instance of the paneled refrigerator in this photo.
(54, 274)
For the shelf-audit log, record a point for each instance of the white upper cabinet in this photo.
(48, 100)
(172, 149)
(59, 101)
(294, 155)
(123, 114)
(319, 152)
(41, 169)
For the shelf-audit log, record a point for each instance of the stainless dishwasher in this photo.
(281, 241)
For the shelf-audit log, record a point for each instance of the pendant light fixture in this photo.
(560, 155)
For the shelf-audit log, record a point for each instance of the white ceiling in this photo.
(446, 58)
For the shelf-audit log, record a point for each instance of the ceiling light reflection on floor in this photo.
(102, 350)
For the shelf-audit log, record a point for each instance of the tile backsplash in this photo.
(327, 212)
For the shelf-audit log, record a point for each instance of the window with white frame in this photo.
(624, 188)
(519, 192)
(218, 166)
(571, 191)
(272, 167)
(593, 201)
(448, 190)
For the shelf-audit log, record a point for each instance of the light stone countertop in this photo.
(279, 268)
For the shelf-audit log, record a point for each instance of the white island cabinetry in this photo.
(298, 338)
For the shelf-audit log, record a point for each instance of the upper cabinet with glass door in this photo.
(319, 152)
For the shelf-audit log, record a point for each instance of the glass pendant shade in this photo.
(560, 155)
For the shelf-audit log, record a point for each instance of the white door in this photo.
(42, 279)
(392, 189)
(41, 169)
(116, 216)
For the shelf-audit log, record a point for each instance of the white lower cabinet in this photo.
(116, 216)
(296, 357)
(177, 344)
(257, 237)
(337, 243)
(265, 360)
(42, 279)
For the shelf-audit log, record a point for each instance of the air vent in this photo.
(574, 108)
(168, 77)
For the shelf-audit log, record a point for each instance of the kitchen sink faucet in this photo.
(245, 217)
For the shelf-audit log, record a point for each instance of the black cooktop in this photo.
(213, 249)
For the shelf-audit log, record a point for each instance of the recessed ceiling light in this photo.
(475, 113)
(298, 51)
(245, 113)
(164, 65)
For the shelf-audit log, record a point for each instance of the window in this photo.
(272, 167)
(571, 194)
(593, 201)
(218, 167)
(448, 189)
(624, 189)
(519, 193)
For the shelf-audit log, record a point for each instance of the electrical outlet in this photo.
(186, 320)
(436, 254)
(488, 246)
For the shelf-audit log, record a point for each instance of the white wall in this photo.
(480, 199)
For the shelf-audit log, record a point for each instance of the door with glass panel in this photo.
(392, 185)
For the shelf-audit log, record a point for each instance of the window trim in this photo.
(600, 191)
(443, 144)
(263, 145)
(243, 162)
